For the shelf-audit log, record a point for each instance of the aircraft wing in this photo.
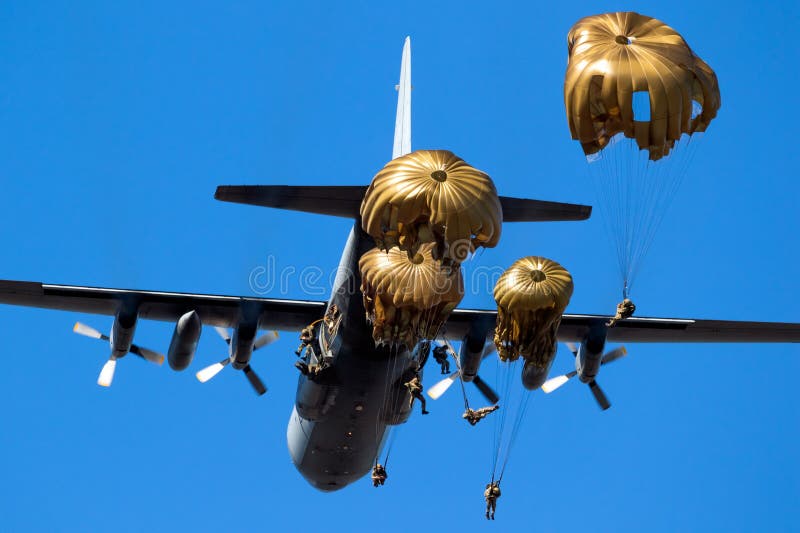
(293, 315)
(635, 329)
(223, 311)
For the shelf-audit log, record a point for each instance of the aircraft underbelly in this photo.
(326, 457)
(336, 442)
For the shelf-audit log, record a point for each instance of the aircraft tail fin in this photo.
(345, 201)
(402, 125)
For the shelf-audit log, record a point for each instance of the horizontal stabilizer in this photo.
(334, 200)
(345, 201)
(524, 210)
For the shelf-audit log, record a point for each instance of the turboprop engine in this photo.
(589, 357)
(121, 342)
(241, 346)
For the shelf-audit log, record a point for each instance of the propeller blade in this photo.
(613, 355)
(147, 355)
(265, 340)
(450, 347)
(211, 370)
(486, 390)
(599, 395)
(553, 383)
(572, 348)
(107, 373)
(254, 380)
(87, 331)
(223, 333)
(441, 387)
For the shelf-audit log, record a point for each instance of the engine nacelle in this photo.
(241, 349)
(122, 332)
(184, 341)
(590, 353)
(471, 356)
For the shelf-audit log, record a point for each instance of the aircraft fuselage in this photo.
(339, 422)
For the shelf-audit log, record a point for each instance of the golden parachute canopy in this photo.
(407, 298)
(432, 196)
(531, 297)
(615, 55)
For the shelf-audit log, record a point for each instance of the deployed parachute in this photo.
(615, 55)
(634, 91)
(432, 196)
(531, 297)
(407, 298)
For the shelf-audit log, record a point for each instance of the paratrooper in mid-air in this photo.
(306, 338)
(378, 475)
(625, 309)
(473, 416)
(491, 494)
(414, 386)
(440, 355)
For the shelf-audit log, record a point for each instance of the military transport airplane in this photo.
(338, 423)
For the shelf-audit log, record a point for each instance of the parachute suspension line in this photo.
(392, 436)
(634, 195)
(391, 398)
(382, 412)
(429, 318)
(669, 174)
(388, 399)
(502, 376)
(505, 372)
(460, 378)
(521, 412)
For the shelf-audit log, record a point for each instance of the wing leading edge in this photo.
(293, 315)
(668, 330)
(223, 311)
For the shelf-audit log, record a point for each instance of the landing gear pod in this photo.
(534, 376)
(184, 341)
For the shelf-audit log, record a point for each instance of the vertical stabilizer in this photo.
(402, 125)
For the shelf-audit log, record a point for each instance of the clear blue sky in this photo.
(119, 120)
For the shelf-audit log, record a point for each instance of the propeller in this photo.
(609, 357)
(107, 372)
(212, 370)
(441, 387)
